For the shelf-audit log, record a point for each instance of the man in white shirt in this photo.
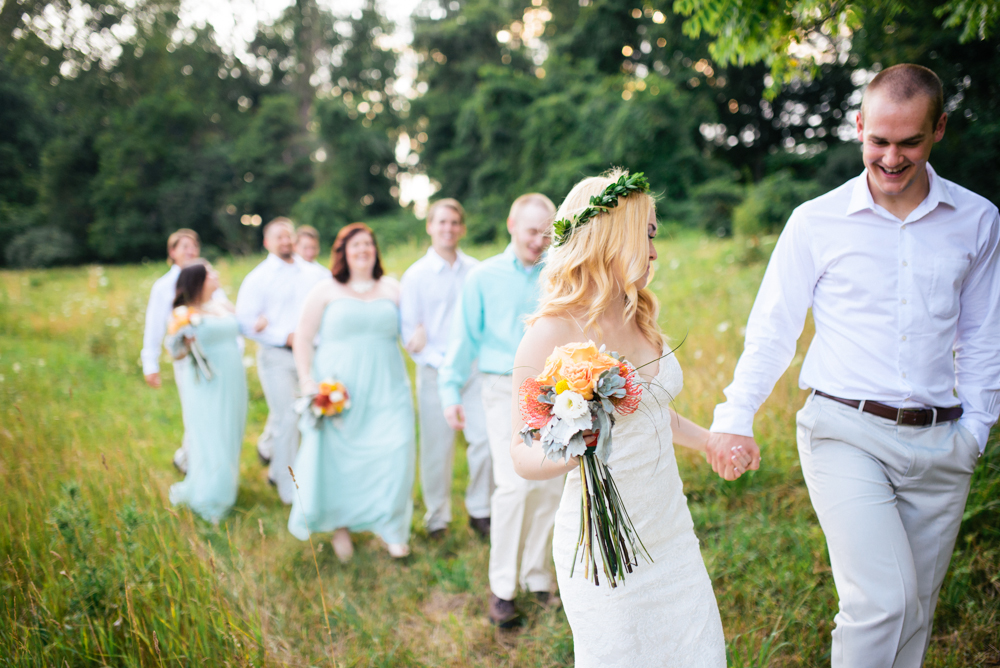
(430, 289)
(902, 270)
(307, 244)
(183, 247)
(268, 308)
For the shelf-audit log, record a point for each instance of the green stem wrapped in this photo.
(603, 516)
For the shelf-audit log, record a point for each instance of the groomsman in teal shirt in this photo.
(489, 322)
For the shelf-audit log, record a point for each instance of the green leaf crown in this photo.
(607, 200)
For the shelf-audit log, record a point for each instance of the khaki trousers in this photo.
(890, 500)
(280, 382)
(437, 451)
(522, 511)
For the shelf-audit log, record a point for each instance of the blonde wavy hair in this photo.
(601, 261)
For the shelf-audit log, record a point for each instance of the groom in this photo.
(902, 270)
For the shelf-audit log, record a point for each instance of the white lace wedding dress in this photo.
(664, 613)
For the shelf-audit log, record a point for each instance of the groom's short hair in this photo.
(903, 82)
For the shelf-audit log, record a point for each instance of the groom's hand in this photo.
(731, 455)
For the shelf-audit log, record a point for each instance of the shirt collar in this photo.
(518, 265)
(278, 262)
(438, 263)
(861, 196)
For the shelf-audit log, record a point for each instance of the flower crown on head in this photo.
(623, 187)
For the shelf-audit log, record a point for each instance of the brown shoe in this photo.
(437, 535)
(547, 600)
(481, 525)
(503, 613)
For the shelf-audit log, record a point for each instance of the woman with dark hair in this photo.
(215, 406)
(355, 473)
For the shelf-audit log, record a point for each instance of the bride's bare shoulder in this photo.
(552, 331)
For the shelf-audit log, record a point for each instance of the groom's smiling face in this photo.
(896, 137)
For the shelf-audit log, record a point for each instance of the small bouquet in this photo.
(329, 401)
(182, 340)
(580, 389)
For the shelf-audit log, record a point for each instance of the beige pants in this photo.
(280, 381)
(890, 500)
(437, 451)
(522, 511)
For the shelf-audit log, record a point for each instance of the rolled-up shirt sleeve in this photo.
(250, 306)
(463, 343)
(775, 324)
(977, 341)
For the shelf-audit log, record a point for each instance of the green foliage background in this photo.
(107, 144)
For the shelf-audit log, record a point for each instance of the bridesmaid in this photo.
(355, 474)
(215, 410)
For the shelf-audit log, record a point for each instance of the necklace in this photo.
(361, 287)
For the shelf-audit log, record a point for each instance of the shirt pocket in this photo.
(946, 285)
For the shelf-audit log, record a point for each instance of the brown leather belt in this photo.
(915, 417)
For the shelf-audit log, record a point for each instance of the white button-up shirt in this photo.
(158, 312)
(906, 312)
(429, 290)
(276, 290)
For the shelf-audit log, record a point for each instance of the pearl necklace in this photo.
(361, 287)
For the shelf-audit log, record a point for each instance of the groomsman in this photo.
(183, 247)
(488, 326)
(901, 268)
(307, 244)
(268, 308)
(430, 289)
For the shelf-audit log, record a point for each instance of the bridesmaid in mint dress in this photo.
(355, 473)
(215, 410)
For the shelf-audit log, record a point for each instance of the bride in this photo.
(664, 613)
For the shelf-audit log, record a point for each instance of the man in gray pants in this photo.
(900, 268)
(268, 308)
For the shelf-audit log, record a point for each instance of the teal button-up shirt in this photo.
(489, 321)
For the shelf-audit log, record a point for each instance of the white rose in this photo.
(569, 406)
(195, 319)
(336, 396)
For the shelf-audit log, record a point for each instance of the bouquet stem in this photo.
(603, 516)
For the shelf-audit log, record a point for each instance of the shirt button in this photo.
(904, 301)
(905, 264)
(903, 337)
(903, 374)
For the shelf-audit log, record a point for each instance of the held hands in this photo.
(731, 455)
(418, 340)
(455, 415)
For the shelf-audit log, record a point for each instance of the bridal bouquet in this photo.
(329, 401)
(581, 389)
(182, 340)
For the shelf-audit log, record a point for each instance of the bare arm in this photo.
(305, 333)
(687, 433)
(537, 344)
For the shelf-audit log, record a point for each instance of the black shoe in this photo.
(437, 535)
(270, 481)
(503, 613)
(265, 461)
(481, 525)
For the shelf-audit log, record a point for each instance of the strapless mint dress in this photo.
(215, 415)
(357, 472)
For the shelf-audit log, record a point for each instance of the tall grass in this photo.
(98, 569)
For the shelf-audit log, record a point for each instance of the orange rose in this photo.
(550, 374)
(585, 352)
(580, 376)
(181, 318)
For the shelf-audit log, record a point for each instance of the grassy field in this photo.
(98, 569)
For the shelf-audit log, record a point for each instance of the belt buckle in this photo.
(899, 417)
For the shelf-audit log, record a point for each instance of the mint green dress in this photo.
(215, 414)
(357, 471)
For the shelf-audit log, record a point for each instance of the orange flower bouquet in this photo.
(182, 340)
(580, 390)
(329, 401)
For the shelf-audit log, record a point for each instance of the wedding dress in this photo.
(664, 613)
